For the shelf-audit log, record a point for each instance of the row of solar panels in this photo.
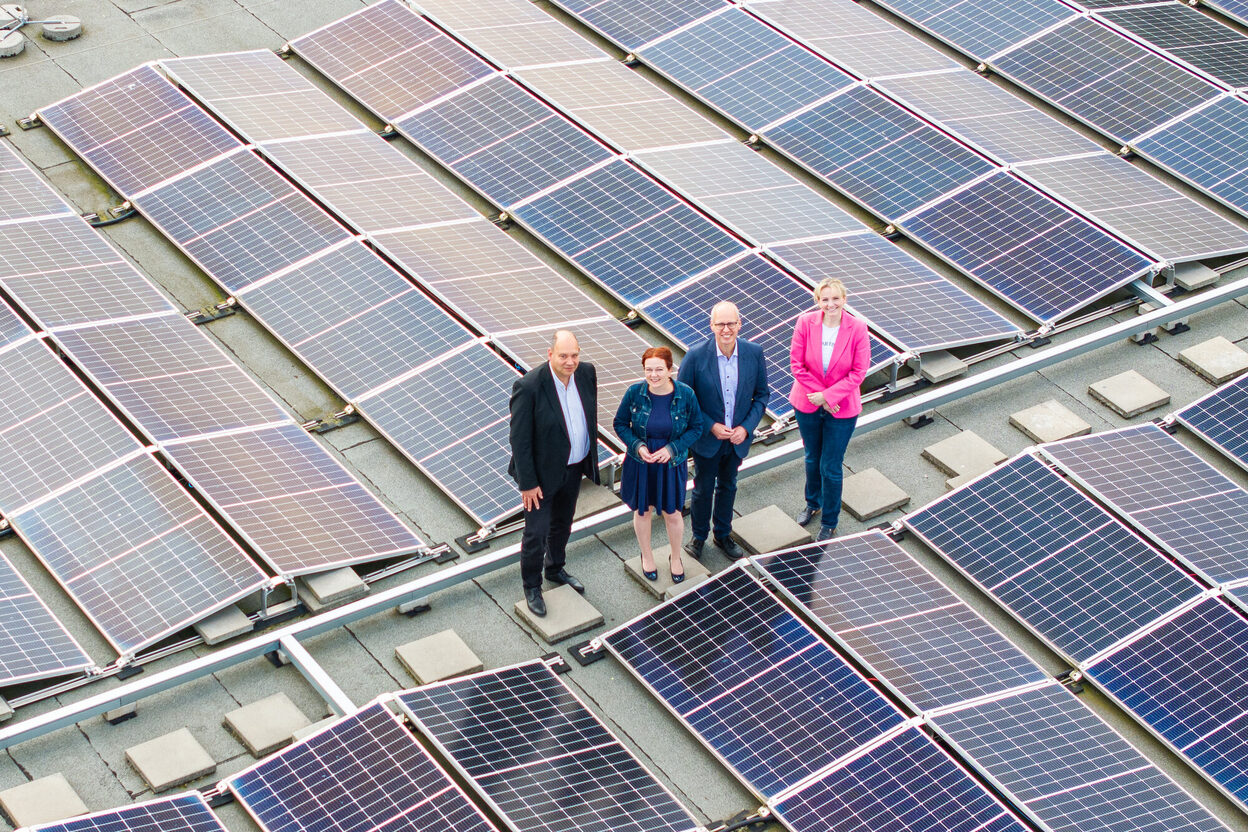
(1012, 230)
(87, 492)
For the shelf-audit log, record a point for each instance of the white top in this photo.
(829, 343)
(573, 417)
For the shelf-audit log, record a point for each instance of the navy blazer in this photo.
(701, 372)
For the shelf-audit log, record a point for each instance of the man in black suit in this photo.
(554, 422)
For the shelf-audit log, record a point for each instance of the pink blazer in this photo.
(850, 360)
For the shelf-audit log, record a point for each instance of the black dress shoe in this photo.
(730, 547)
(562, 577)
(537, 606)
(694, 548)
(806, 515)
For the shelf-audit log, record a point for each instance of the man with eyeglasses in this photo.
(728, 374)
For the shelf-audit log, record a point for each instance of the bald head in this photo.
(726, 326)
(564, 355)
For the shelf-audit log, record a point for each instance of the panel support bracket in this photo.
(30, 122)
(347, 416)
(224, 309)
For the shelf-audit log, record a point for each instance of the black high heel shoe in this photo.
(678, 577)
(652, 575)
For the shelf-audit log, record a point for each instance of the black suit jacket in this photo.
(539, 438)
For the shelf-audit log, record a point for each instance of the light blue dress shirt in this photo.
(573, 417)
(728, 377)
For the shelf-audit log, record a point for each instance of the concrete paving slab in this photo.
(293, 19)
(44, 800)
(868, 494)
(662, 564)
(688, 584)
(594, 498)
(203, 27)
(224, 625)
(170, 760)
(324, 589)
(963, 453)
(1129, 394)
(95, 62)
(309, 730)
(941, 365)
(1049, 421)
(440, 656)
(768, 530)
(959, 481)
(266, 725)
(1217, 359)
(1193, 276)
(567, 613)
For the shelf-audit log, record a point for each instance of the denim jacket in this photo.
(634, 412)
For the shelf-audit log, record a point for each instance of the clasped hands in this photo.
(735, 435)
(663, 454)
(819, 400)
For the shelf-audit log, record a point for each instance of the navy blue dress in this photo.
(660, 485)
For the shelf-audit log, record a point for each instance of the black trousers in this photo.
(547, 527)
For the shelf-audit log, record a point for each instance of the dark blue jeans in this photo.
(714, 477)
(825, 438)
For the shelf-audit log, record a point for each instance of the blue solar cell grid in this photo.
(1222, 419)
(907, 784)
(1054, 558)
(631, 23)
(33, 643)
(628, 232)
(1237, 9)
(980, 29)
(880, 155)
(181, 813)
(1178, 30)
(503, 140)
(1188, 681)
(744, 68)
(1030, 250)
(1207, 148)
(768, 696)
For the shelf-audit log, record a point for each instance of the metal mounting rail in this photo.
(287, 637)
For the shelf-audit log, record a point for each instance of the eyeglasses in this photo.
(725, 325)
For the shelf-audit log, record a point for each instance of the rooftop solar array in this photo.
(541, 759)
(1219, 419)
(1237, 9)
(1182, 503)
(982, 32)
(1183, 33)
(632, 23)
(516, 35)
(909, 630)
(364, 773)
(187, 812)
(1060, 563)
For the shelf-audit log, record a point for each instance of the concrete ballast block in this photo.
(440, 656)
(869, 494)
(1049, 421)
(315, 727)
(1217, 359)
(44, 800)
(567, 613)
(266, 725)
(941, 366)
(693, 569)
(769, 529)
(1129, 394)
(594, 498)
(6, 710)
(170, 760)
(325, 589)
(224, 625)
(962, 454)
(688, 584)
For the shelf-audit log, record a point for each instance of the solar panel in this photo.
(512, 34)
(746, 192)
(744, 68)
(986, 116)
(619, 105)
(26, 195)
(981, 31)
(1057, 760)
(539, 756)
(906, 784)
(187, 812)
(876, 153)
(487, 276)
(1218, 418)
(503, 140)
(390, 59)
(902, 298)
(364, 773)
(1206, 148)
(1126, 200)
(1112, 83)
(853, 37)
(451, 421)
(240, 220)
(12, 328)
(628, 232)
(632, 23)
(1182, 503)
(1060, 563)
(167, 377)
(354, 319)
(137, 130)
(905, 626)
(1025, 247)
(33, 643)
(1236, 9)
(771, 700)
(1184, 33)
(1187, 680)
(136, 553)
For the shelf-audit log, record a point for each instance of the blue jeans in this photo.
(714, 477)
(825, 438)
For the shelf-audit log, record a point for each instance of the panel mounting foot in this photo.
(586, 653)
(475, 542)
(338, 420)
(224, 309)
(919, 420)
